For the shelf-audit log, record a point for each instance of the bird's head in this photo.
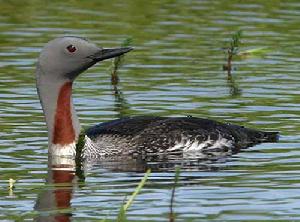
(64, 58)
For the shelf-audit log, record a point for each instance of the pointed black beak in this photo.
(109, 53)
(102, 54)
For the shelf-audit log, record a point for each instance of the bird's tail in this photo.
(270, 136)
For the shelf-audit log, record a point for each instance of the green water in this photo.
(175, 70)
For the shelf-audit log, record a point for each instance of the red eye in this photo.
(71, 48)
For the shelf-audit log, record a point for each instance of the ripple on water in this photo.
(175, 70)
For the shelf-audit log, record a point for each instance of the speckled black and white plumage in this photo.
(149, 135)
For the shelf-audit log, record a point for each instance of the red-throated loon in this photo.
(64, 58)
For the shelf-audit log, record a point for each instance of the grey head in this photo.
(67, 57)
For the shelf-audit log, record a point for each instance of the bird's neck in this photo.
(62, 121)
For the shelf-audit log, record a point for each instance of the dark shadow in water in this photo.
(54, 202)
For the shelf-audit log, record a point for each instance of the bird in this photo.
(63, 59)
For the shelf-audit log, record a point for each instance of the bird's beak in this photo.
(110, 53)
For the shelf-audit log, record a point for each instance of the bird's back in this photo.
(147, 135)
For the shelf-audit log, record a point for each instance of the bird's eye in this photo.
(71, 48)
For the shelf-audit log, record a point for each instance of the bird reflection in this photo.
(160, 163)
(54, 202)
(64, 175)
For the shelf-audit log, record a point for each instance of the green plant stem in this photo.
(137, 190)
(124, 208)
(232, 51)
(172, 215)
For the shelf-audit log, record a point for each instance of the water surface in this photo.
(175, 70)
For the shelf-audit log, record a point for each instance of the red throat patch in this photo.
(63, 127)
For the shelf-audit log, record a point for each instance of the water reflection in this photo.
(160, 163)
(54, 203)
(174, 71)
(121, 106)
(234, 89)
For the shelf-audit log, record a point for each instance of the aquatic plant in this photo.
(11, 186)
(11, 183)
(117, 62)
(176, 178)
(232, 51)
(254, 52)
(124, 208)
